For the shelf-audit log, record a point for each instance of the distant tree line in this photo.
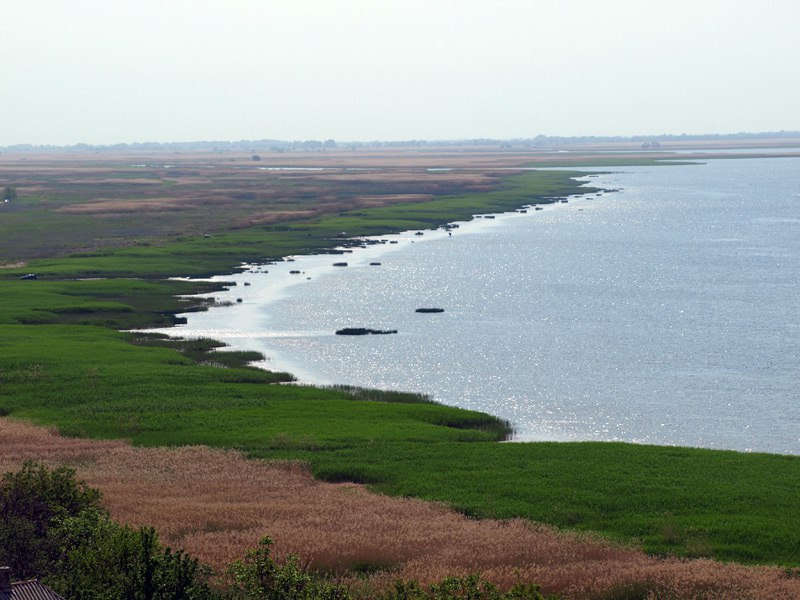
(272, 145)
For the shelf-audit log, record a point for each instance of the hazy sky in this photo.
(106, 71)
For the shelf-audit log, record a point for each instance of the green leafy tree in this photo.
(54, 528)
(30, 501)
(100, 559)
(259, 577)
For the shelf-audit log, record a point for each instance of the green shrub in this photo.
(31, 500)
(53, 527)
(472, 587)
(259, 577)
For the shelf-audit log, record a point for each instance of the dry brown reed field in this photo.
(215, 504)
(123, 198)
(120, 199)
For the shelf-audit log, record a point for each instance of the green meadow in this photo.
(65, 362)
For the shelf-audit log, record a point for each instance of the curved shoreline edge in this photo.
(75, 371)
(124, 288)
(585, 191)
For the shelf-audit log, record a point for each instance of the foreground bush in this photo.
(53, 527)
(259, 577)
(469, 588)
(32, 500)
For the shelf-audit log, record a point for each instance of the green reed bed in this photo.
(63, 363)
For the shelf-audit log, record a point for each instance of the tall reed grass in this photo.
(215, 504)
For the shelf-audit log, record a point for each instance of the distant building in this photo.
(24, 590)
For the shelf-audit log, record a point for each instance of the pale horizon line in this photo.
(332, 143)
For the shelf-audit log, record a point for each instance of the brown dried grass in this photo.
(466, 179)
(14, 265)
(118, 182)
(387, 199)
(216, 503)
(275, 216)
(103, 206)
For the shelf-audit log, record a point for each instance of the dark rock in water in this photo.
(238, 299)
(374, 264)
(247, 283)
(179, 320)
(430, 310)
(489, 217)
(363, 331)
(539, 208)
(393, 242)
(340, 264)
(294, 272)
(419, 233)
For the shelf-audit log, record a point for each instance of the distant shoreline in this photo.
(666, 142)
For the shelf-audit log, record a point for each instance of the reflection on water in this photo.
(666, 313)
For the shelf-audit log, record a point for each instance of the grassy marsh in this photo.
(63, 363)
(214, 503)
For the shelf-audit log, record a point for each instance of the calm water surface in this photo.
(667, 312)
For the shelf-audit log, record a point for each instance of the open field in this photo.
(120, 202)
(87, 201)
(214, 503)
(102, 261)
